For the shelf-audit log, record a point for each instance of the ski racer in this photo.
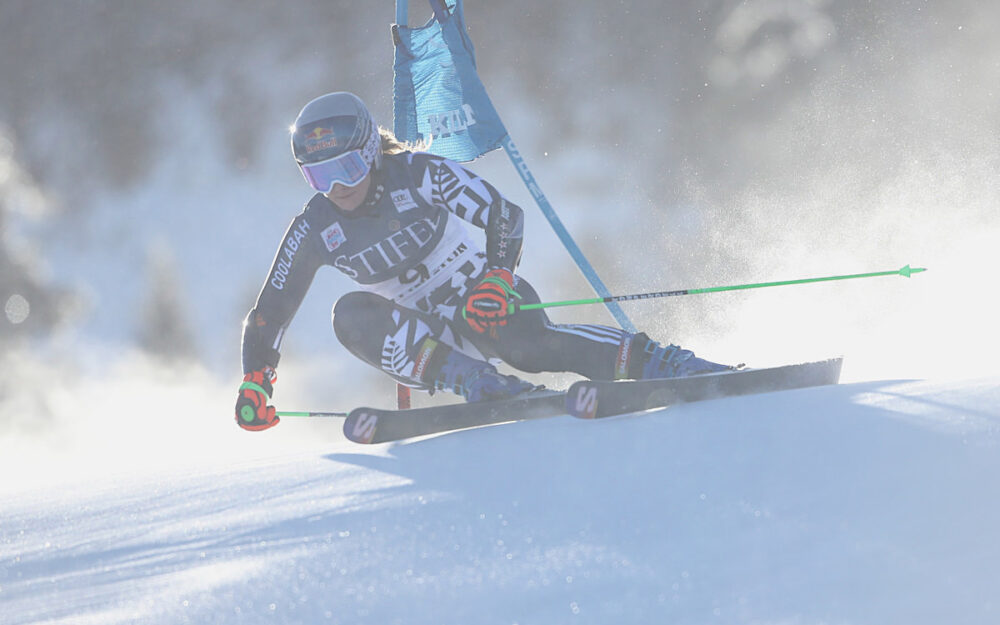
(433, 309)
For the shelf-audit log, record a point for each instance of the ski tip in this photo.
(909, 271)
(581, 400)
(361, 425)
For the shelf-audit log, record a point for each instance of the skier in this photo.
(433, 309)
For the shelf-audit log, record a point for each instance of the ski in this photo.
(376, 425)
(588, 399)
(591, 399)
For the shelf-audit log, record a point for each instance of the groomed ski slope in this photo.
(872, 502)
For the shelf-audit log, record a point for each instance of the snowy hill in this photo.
(144, 166)
(870, 502)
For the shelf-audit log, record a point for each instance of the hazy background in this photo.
(146, 180)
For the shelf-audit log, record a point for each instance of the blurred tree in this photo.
(164, 330)
(31, 306)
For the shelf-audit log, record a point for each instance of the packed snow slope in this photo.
(872, 502)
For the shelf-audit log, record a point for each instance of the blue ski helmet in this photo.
(335, 140)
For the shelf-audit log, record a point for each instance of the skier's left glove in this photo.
(252, 411)
(488, 303)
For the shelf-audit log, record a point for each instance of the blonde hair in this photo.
(393, 145)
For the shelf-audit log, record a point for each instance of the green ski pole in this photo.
(906, 271)
(310, 414)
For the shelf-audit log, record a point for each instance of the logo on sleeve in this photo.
(403, 200)
(334, 236)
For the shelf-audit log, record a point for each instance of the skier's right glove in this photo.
(488, 303)
(252, 411)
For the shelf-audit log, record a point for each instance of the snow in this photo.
(867, 502)
(129, 495)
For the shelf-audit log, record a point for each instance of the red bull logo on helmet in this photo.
(319, 138)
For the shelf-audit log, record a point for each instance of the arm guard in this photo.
(504, 234)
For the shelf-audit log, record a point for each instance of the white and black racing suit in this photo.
(408, 249)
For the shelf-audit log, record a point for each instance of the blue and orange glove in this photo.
(252, 411)
(488, 304)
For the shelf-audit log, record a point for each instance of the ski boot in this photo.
(477, 380)
(671, 361)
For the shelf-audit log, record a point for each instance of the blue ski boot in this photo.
(478, 380)
(671, 361)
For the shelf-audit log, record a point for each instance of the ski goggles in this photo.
(348, 169)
